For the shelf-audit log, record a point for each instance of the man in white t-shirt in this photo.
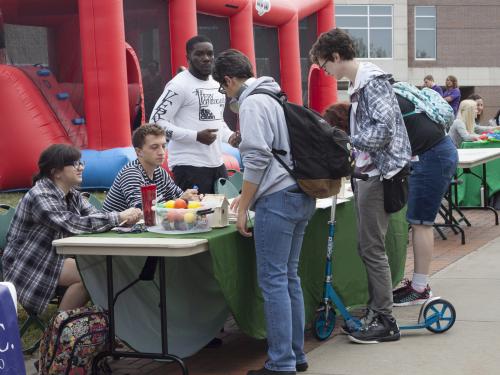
(191, 111)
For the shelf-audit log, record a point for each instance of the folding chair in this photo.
(93, 200)
(6, 214)
(236, 178)
(224, 186)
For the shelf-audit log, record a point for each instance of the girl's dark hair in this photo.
(54, 158)
(338, 115)
(476, 97)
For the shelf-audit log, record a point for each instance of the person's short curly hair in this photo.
(335, 40)
(139, 134)
(338, 115)
(231, 63)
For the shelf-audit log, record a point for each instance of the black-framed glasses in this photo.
(222, 90)
(323, 66)
(76, 164)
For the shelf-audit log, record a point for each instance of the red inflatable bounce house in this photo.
(86, 72)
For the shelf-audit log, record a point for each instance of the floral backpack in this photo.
(72, 340)
(427, 101)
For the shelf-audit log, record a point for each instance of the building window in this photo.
(370, 26)
(425, 33)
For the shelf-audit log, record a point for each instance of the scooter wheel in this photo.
(445, 313)
(323, 323)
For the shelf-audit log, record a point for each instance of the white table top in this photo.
(129, 246)
(141, 246)
(471, 157)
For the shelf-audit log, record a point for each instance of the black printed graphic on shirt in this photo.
(162, 108)
(211, 104)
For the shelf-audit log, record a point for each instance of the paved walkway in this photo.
(468, 278)
(472, 346)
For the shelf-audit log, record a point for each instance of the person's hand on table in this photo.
(130, 216)
(190, 195)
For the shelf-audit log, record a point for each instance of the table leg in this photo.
(449, 220)
(163, 321)
(485, 197)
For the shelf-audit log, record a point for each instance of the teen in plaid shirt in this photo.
(383, 149)
(53, 209)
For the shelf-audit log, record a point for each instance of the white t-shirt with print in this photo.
(186, 106)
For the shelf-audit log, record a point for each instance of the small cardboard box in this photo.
(219, 218)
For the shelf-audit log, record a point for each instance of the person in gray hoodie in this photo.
(383, 149)
(282, 210)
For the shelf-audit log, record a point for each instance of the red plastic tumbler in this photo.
(148, 194)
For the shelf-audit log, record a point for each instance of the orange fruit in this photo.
(180, 203)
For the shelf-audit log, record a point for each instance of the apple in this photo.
(170, 204)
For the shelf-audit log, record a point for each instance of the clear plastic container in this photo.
(181, 219)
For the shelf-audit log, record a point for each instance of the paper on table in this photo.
(233, 215)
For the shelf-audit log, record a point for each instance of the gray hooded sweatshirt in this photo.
(263, 128)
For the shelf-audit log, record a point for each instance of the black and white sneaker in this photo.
(410, 297)
(383, 328)
(366, 319)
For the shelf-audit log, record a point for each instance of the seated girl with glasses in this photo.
(53, 209)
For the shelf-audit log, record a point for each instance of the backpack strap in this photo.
(410, 113)
(280, 98)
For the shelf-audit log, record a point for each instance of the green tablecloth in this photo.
(233, 263)
(469, 193)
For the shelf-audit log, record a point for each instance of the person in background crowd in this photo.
(282, 210)
(383, 150)
(191, 112)
(432, 168)
(462, 128)
(152, 84)
(478, 128)
(53, 209)
(452, 93)
(429, 82)
(149, 142)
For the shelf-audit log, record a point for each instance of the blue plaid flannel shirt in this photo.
(381, 129)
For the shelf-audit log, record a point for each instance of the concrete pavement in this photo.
(471, 346)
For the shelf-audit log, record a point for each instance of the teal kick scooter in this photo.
(436, 314)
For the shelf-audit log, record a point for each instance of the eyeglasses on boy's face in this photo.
(222, 90)
(76, 164)
(323, 66)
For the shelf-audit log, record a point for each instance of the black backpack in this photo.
(321, 153)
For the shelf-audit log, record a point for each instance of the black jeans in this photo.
(186, 176)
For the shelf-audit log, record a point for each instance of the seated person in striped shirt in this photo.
(149, 141)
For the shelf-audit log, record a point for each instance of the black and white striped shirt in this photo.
(126, 189)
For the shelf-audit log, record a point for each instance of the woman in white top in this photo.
(463, 127)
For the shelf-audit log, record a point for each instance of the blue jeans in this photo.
(429, 181)
(280, 222)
